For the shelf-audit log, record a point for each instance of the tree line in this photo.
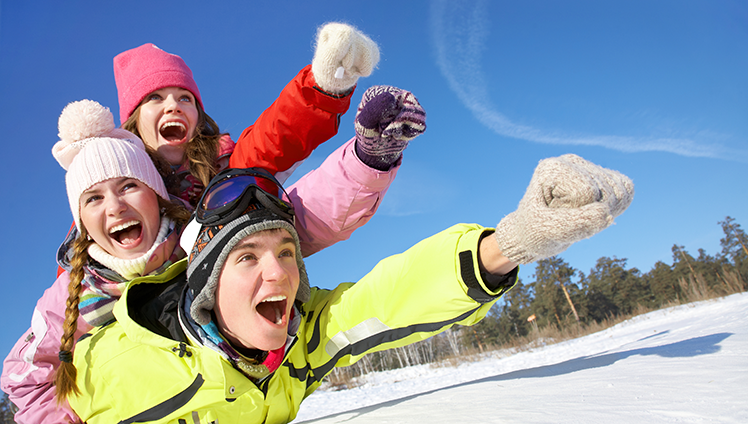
(561, 296)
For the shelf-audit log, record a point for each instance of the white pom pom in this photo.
(80, 121)
(84, 119)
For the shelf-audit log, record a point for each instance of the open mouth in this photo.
(173, 131)
(127, 233)
(273, 309)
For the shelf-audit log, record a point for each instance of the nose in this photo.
(171, 104)
(273, 270)
(114, 205)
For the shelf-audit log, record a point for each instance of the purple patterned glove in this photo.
(387, 119)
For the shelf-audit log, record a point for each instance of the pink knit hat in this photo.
(145, 69)
(92, 150)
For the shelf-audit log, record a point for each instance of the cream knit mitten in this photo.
(569, 199)
(342, 55)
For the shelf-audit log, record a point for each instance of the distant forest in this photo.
(561, 295)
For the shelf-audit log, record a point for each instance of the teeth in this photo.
(174, 124)
(121, 227)
(275, 298)
(278, 317)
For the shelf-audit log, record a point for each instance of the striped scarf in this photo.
(103, 286)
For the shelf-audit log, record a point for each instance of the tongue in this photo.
(128, 236)
(271, 311)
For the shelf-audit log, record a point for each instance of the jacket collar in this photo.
(210, 337)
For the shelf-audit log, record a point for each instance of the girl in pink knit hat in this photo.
(161, 103)
(126, 226)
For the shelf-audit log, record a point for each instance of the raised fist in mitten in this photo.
(569, 199)
(342, 54)
(386, 120)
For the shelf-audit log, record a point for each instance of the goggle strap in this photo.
(268, 203)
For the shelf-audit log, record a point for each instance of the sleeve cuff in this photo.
(483, 287)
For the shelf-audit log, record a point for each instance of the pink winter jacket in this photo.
(331, 202)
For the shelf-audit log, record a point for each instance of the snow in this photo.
(685, 364)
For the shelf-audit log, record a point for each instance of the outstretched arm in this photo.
(300, 119)
(307, 112)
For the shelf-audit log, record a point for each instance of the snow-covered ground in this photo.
(687, 364)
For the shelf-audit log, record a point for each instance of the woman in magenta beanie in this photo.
(161, 103)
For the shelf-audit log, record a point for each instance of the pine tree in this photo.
(612, 290)
(735, 247)
(515, 309)
(7, 410)
(663, 283)
(734, 243)
(554, 291)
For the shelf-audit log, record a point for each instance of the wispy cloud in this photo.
(460, 29)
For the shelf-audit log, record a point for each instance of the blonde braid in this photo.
(65, 378)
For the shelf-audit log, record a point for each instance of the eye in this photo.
(129, 185)
(153, 97)
(186, 98)
(286, 253)
(247, 257)
(92, 198)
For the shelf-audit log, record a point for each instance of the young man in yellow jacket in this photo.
(236, 335)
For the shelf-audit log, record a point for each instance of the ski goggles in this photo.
(232, 191)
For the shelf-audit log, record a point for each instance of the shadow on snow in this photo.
(696, 346)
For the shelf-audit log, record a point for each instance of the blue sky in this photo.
(654, 89)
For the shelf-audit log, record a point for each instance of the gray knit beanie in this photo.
(212, 247)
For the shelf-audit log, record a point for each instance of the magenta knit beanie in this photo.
(145, 69)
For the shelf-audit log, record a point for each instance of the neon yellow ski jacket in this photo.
(129, 374)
